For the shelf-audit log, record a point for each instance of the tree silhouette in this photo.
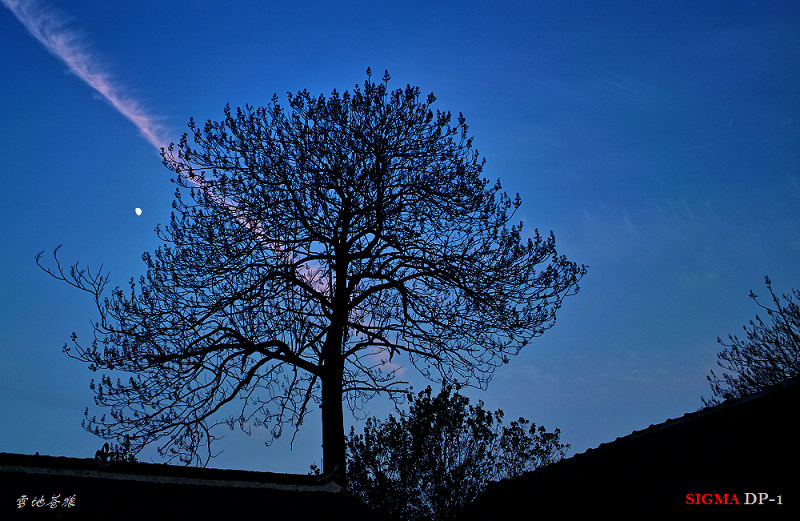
(315, 246)
(431, 461)
(768, 355)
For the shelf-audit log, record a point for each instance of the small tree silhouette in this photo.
(768, 354)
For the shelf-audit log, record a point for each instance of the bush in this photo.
(430, 462)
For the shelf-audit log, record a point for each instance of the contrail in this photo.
(49, 27)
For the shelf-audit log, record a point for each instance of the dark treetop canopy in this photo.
(316, 245)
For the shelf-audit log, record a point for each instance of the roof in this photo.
(160, 473)
(748, 445)
(89, 489)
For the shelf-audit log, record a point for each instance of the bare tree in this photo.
(314, 247)
(768, 355)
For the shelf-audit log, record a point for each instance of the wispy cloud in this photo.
(51, 29)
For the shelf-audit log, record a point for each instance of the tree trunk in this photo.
(333, 449)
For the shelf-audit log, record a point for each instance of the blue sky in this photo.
(660, 141)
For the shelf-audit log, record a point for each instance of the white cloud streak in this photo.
(50, 28)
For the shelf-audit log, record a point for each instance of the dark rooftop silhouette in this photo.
(682, 466)
(72, 488)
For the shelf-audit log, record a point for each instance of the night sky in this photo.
(660, 141)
